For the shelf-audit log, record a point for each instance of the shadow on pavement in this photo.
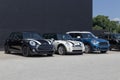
(20, 54)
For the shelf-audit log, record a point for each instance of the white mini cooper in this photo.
(64, 43)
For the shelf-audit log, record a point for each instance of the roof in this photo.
(78, 32)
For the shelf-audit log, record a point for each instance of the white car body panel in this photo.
(68, 44)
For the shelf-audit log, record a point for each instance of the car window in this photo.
(31, 35)
(50, 36)
(64, 37)
(11, 36)
(82, 35)
(117, 36)
(46, 36)
(74, 35)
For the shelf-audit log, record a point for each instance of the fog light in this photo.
(33, 50)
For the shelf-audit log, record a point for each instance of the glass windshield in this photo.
(87, 35)
(64, 37)
(117, 36)
(31, 35)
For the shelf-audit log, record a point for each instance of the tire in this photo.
(61, 50)
(110, 48)
(7, 51)
(49, 54)
(26, 51)
(81, 53)
(87, 49)
(103, 51)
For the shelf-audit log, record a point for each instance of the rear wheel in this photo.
(7, 51)
(87, 48)
(26, 51)
(61, 50)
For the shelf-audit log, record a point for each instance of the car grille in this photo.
(45, 47)
(77, 50)
(103, 44)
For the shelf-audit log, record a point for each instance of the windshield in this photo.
(117, 36)
(64, 37)
(87, 35)
(31, 35)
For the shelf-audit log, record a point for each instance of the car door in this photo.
(18, 41)
(15, 42)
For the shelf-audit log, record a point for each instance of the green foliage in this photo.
(96, 27)
(103, 22)
(118, 29)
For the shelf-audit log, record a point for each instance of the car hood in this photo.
(74, 42)
(70, 41)
(42, 41)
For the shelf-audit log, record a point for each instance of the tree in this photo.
(118, 29)
(96, 27)
(103, 22)
(112, 26)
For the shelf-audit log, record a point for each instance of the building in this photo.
(44, 16)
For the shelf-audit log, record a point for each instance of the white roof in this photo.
(78, 32)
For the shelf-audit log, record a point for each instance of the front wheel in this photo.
(103, 51)
(61, 50)
(26, 51)
(87, 49)
(49, 54)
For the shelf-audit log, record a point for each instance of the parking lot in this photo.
(67, 67)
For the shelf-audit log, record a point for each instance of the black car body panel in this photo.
(18, 40)
(113, 38)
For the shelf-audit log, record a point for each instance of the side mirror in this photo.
(52, 39)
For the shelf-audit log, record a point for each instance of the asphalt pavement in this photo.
(92, 66)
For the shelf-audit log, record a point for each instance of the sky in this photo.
(110, 8)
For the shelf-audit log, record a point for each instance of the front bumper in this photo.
(102, 46)
(98, 48)
(44, 49)
(76, 49)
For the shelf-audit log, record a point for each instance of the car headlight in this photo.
(70, 43)
(32, 43)
(78, 44)
(95, 42)
(49, 42)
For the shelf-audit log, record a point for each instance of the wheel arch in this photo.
(61, 45)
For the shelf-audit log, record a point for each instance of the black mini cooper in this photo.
(28, 43)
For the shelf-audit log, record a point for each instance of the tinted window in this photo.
(82, 35)
(74, 35)
(117, 36)
(50, 36)
(64, 37)
(31, 35)
(11, 36)
(18, 36)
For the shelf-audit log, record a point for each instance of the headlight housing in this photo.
(32, 43)
(70, 43)
(78, 44)
(95, 42)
